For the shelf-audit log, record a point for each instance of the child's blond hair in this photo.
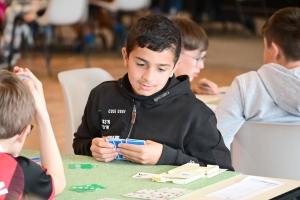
(16, 105)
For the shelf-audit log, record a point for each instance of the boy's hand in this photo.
(36, 88)
(205, 86)
(102, 150)
(142, 154)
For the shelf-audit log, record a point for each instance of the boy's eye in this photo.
(140, 64)
(200, 58)
(161, 69)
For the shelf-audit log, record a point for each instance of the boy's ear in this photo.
(125, 57)
(175, 68)
(277, 54)
(21, 137)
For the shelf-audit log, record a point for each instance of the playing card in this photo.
(135, 142)
(116, 143)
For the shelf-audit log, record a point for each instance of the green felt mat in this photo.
(116, 177)
(216, 102)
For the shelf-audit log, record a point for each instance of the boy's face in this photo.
(191, 62)
(148, 71)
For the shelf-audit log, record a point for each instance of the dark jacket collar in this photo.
(174, 88)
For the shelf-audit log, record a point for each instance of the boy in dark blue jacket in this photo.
(150, 104)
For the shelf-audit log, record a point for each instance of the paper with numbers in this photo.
(246, 188)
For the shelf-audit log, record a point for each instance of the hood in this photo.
(283, 86)
(175, 87)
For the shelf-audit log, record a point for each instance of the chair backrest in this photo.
(123, 5)
(133, 5)
(266, 149)
(76, 86)
(64, 12)
(111, 6)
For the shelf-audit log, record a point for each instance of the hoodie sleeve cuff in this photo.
(168, 156)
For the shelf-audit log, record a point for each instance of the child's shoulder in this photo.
(246, 79)
(37, 176)
(106, 85)
(11, 176)
(27, 165)
(10, 162)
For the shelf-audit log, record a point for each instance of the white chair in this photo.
(129, 8)
(63, 12)
(266, 149)
(76, 86)
(123, 5)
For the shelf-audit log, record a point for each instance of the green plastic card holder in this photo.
(82, 166)
(87, 188)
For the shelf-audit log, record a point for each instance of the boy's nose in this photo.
(200, 64)
(148, 75)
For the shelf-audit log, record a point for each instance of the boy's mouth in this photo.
(145, 87)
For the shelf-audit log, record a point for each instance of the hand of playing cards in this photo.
(116, 143)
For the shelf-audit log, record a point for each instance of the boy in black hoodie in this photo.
(150, 104)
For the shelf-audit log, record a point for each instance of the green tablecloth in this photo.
(116, 176)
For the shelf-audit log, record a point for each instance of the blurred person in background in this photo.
(28, 10)
(193, 51)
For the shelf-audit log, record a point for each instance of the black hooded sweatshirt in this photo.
(173, 117)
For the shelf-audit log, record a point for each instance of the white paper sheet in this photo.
(246, 188)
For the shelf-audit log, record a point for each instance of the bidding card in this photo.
(108, 198)
(143, 175)
(37, 159)
(177, 191)
(147, 194)
(163, 193)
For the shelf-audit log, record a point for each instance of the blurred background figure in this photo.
(25, 9)
(171, 7)
(98, 17)
(194, 45)
(2, 11)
